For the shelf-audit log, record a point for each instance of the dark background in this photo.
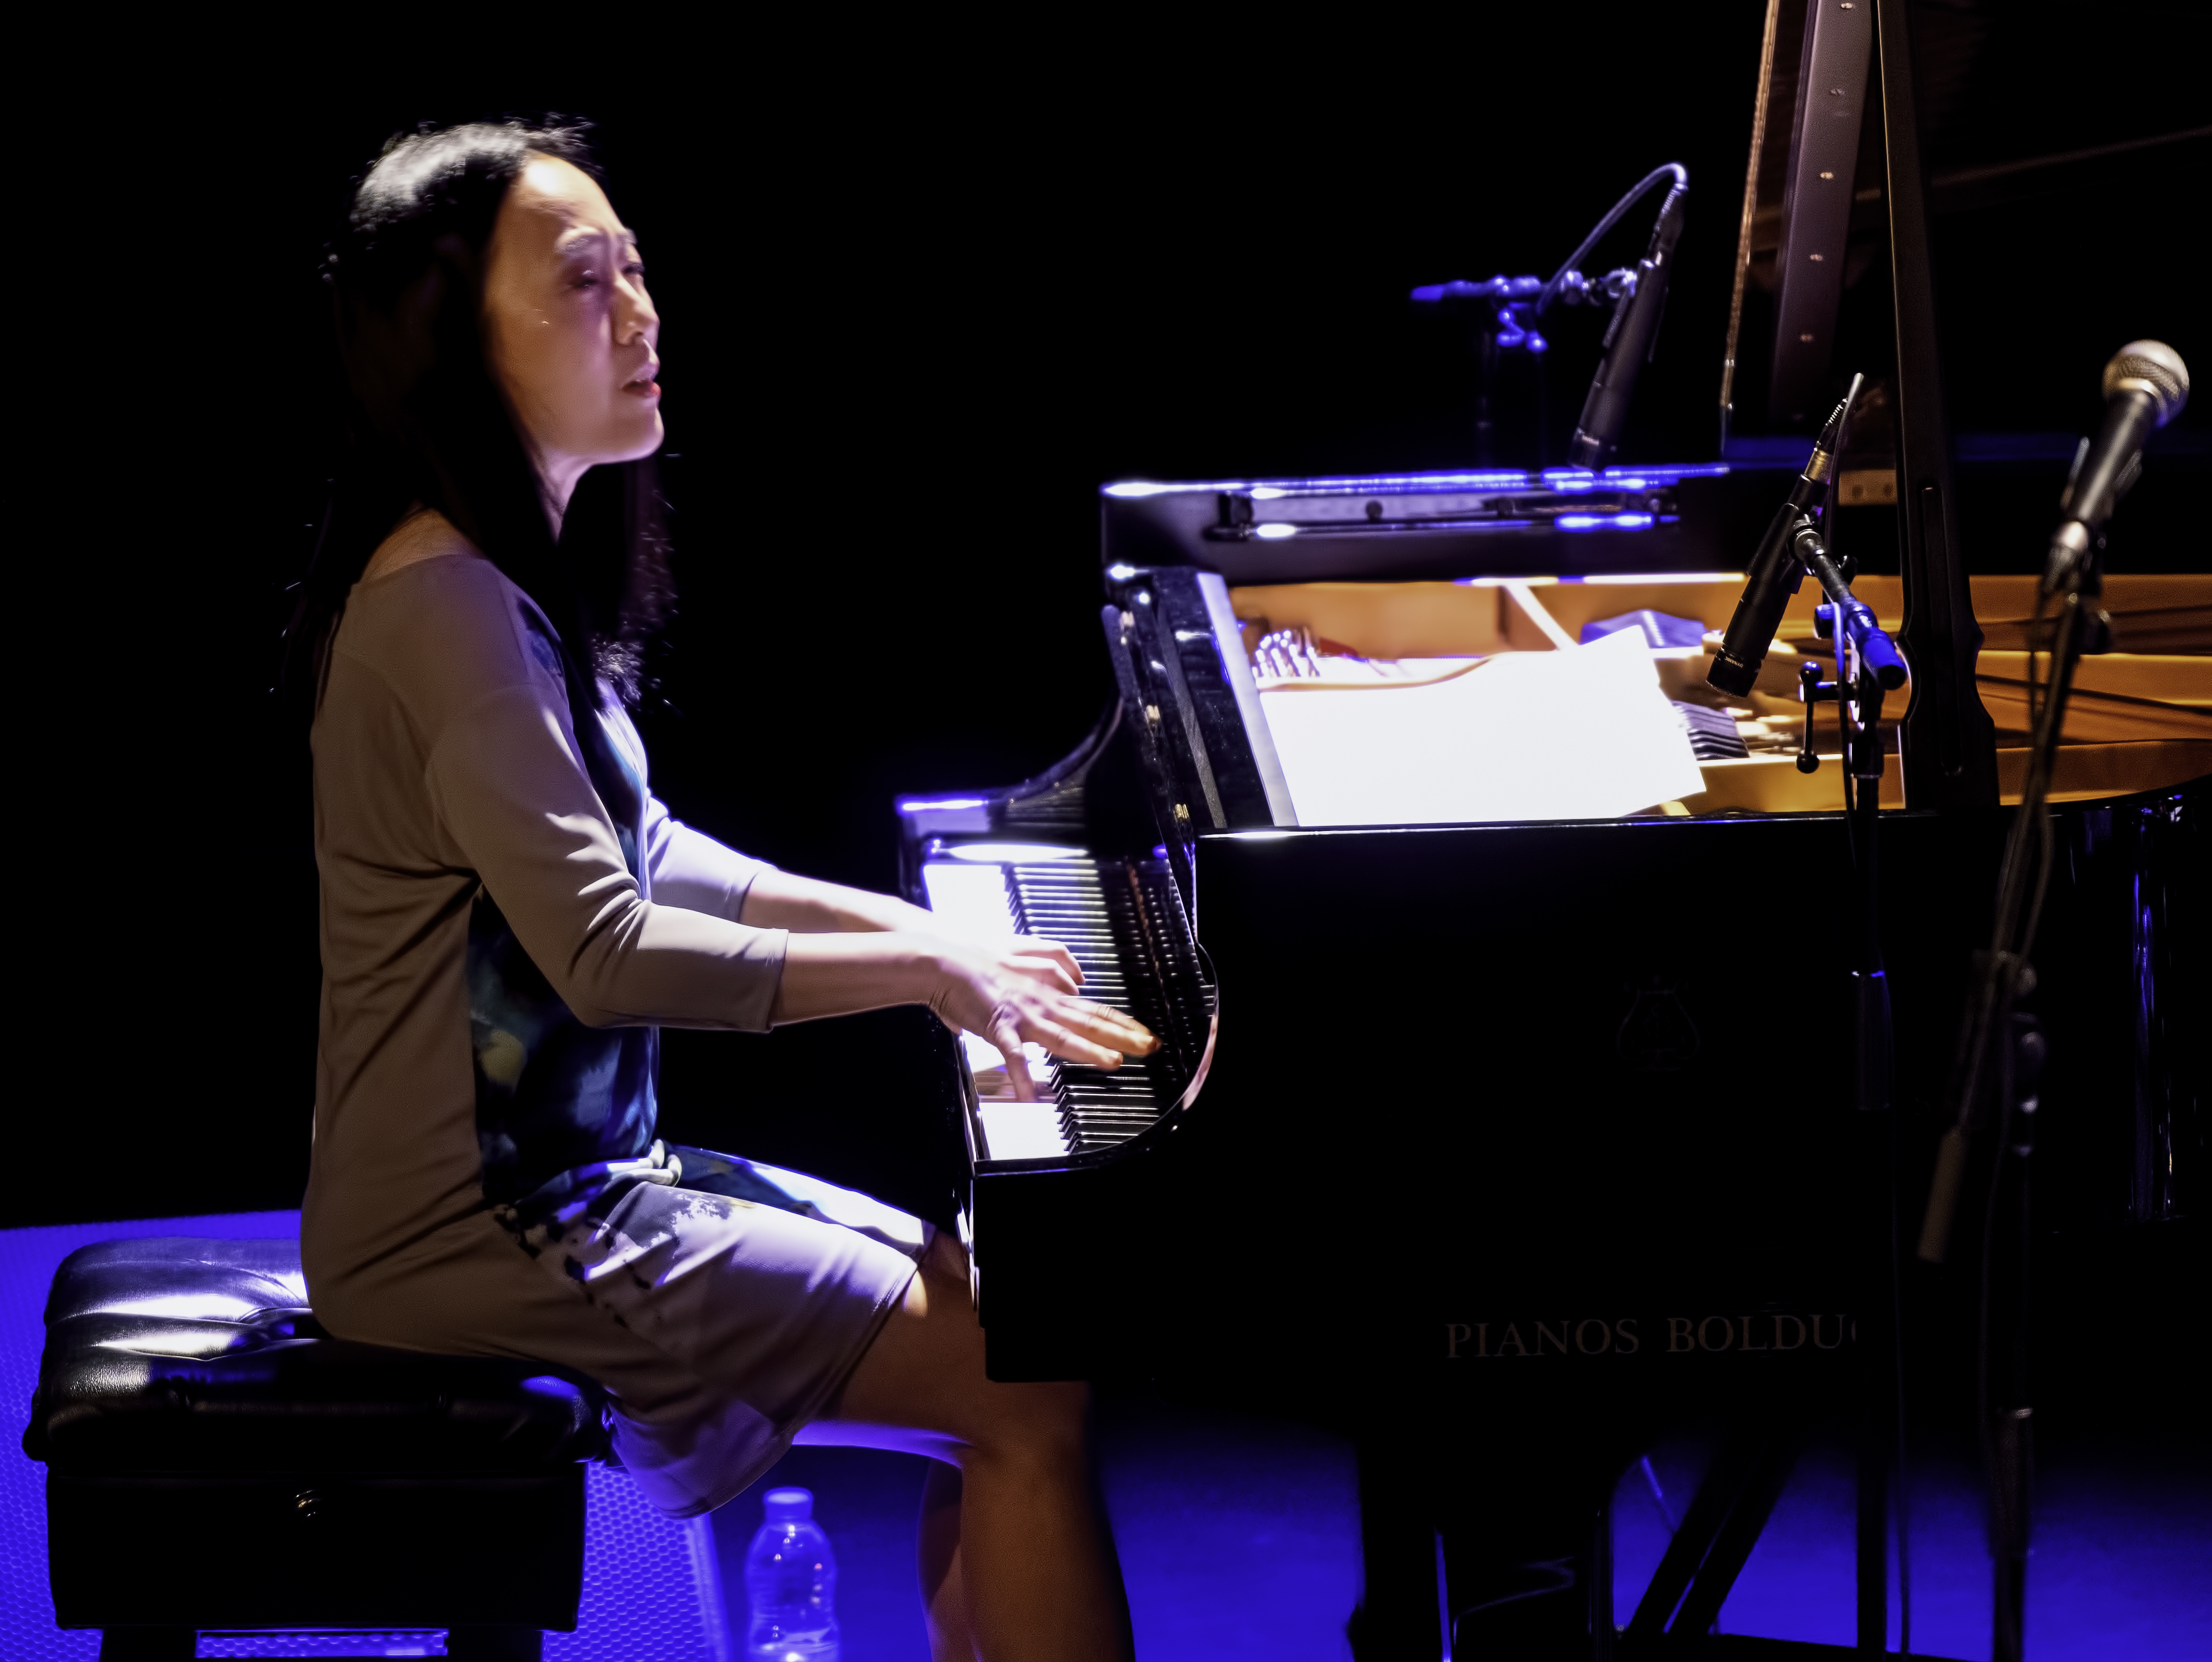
(923, 291)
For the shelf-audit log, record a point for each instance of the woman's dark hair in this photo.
(426, 424)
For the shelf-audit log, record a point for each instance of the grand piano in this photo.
(1505, 1144)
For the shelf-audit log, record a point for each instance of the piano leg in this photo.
(1528, 1548)
(1775, 1451)
(1873, 1569)
(1719, 1532)
(1597, 1584)
(1878, 1384)
(1399, 1615)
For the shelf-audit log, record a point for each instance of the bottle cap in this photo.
(788, 1505)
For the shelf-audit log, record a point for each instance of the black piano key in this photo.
(1123, 925)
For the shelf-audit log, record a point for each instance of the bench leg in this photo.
(148, 1644)
(495, 1644)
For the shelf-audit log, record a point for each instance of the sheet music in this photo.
(1582, 732)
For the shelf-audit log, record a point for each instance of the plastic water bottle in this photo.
(790, 1577)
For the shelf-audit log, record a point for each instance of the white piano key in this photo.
(981, 1054)
(1022, 1131)
(971, 897)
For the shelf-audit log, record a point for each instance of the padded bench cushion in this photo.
(169, 1354)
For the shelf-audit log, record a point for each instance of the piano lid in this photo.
(2028, 125)
(1500, 521)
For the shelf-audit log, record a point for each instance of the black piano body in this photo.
(1484, 1142)
(1581, 1059)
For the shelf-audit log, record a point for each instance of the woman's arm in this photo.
(805, 905)
(691, 869)
(848, 949)
(808, 906)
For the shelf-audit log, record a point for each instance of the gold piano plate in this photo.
(2140, 718)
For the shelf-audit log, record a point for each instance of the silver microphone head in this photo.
(2152, 367)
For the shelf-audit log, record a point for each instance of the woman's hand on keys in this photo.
(1023, 991)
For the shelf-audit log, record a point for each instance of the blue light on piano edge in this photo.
(1635, 477)
(1274, 531)
(1572, 481)
(1603, 522)
(943, 804)
(1010, 854)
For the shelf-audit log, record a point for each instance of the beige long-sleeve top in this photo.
(484, 916)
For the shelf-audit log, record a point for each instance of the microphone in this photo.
(1630, 341)
(1776, 570)
(2145, 386)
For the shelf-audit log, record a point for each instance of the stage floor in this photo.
(1239, 1536)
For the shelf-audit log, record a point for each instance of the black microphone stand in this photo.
(1996, 1068)
(1995, 1073)
(1867, 667)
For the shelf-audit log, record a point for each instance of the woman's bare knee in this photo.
(947, 1258)
(1035, 1424)
(923, 1386)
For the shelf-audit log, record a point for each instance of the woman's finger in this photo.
(1071, 1046)
(1046, 971)
(1005, 1034)
(1030, 945)
(1080, 1031)
(1108, 1026)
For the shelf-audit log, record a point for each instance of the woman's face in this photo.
(569, 327)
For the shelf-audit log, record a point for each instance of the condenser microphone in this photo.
(1630, 340)
(1776, 571)
(2145, 386)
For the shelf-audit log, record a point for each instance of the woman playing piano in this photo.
(508, 916)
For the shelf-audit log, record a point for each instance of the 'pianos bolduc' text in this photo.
(1770, 1332)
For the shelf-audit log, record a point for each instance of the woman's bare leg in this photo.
(943, 1596)
(1034, 1567)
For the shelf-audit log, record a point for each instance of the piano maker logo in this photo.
(1657, 1035)
(1768, 1332)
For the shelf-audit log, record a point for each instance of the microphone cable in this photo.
(1643, 188)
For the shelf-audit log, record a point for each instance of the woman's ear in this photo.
(388, 350)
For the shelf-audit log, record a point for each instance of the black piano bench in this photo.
(215, 1461)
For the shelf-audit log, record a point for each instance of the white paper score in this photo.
(1581, 732)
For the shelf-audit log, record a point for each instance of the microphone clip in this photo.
(1811, 691)
(1868, 664)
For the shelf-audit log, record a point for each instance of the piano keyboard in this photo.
(1714, 736)
(1123, 922)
